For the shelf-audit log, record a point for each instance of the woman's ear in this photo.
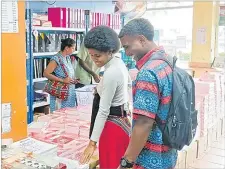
(110, 53)
(66, 48)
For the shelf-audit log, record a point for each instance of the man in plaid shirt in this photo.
(152, 92)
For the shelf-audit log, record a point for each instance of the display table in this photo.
(62, 135)
(59, 139)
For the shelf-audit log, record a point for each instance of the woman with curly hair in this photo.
(110, 125)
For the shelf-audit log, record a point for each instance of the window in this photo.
(173, 21)
(220, 59)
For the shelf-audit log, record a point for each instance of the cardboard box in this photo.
(211, 136)
(36, 116)
(181, 159)
(214, 134)
(219, 129)
(223, 127)
(192, 153)
(182, 165)
(202, 146)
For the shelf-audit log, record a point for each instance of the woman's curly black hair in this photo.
(102, 38)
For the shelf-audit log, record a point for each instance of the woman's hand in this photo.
(76, 81)
(96, 78)
(68, 80)
(88, 152)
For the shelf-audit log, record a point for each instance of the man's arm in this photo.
(82, 55)
(139, 137)
(86, 67)
(146, 102)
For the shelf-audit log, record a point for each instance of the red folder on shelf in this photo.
(71, 18)
(78, 18)
(96, 19)
(95, 22)
(101, 18)
(108, 20)
(67, 17)
(92, 19)
(114, 21)
(55, 15)
(83, 18)
(58, 16)
(75, 18)
(111, 21)
(117, 21)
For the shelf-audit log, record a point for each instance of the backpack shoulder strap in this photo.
(171, 61)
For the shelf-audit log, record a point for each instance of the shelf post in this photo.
(29, 64)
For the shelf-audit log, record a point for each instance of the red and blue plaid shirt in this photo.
(152, 97)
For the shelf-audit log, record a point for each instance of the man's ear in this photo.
(142, 39)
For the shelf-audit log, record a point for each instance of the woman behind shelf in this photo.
(109, 124)
(54, 71)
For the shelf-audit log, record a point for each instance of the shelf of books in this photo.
(57, 29)
(44, 33)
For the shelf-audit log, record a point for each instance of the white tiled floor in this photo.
(214, 158)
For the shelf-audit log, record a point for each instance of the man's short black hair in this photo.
(102, 38)
(139, 26)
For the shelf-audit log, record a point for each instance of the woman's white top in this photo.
(113, 90)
